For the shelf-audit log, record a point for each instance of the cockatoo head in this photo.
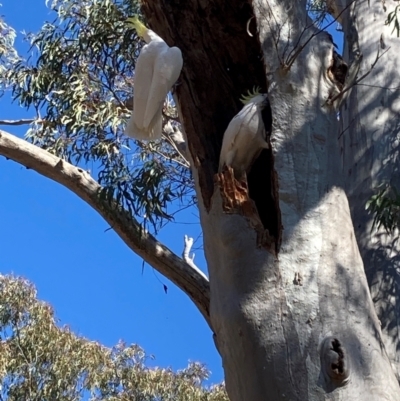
(147, 34)
(258, 99)
(251, 96)
(135, 23)
(261, 101)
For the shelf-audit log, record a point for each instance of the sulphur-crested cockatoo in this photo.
(157, 69)
(246, 135)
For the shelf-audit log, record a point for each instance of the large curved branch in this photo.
(188, 278)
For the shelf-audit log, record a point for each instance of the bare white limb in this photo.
(186, 255)
(189, 279)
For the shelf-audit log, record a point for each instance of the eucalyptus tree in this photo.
(41, 361)
(287, 296)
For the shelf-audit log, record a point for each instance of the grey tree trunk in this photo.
(289, 303)
(369, 140)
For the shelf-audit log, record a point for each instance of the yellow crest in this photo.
(250, 94)
(134, 22)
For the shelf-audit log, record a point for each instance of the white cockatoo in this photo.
(246, 135)
(157, 69)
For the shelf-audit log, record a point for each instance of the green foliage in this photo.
(392, 18)
(41, 361)
(8, 55)
(318, 11)
(385, 206)
(79, 82)
(317, 6)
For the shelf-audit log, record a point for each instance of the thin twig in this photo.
(351, 122)
(170, 158)
(274, 38)
(394, 88)
(173, 144)
(291, 59)
(248, 26)
(145, 147)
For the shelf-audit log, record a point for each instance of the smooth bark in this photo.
(369, 140)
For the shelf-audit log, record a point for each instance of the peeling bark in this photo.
(236, 200)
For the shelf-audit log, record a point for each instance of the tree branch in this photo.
(186, 252)
(192, 281)
(23, 121)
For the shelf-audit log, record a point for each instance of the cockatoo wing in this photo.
(130, 127)
(133, 131)
(238, 135)
(157, 69)
(245, 136)
(166, 71)
(144, 71)
(147, 133)
(228, 142)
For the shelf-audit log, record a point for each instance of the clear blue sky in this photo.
(90, 277)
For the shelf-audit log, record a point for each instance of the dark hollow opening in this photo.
(263, 192)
